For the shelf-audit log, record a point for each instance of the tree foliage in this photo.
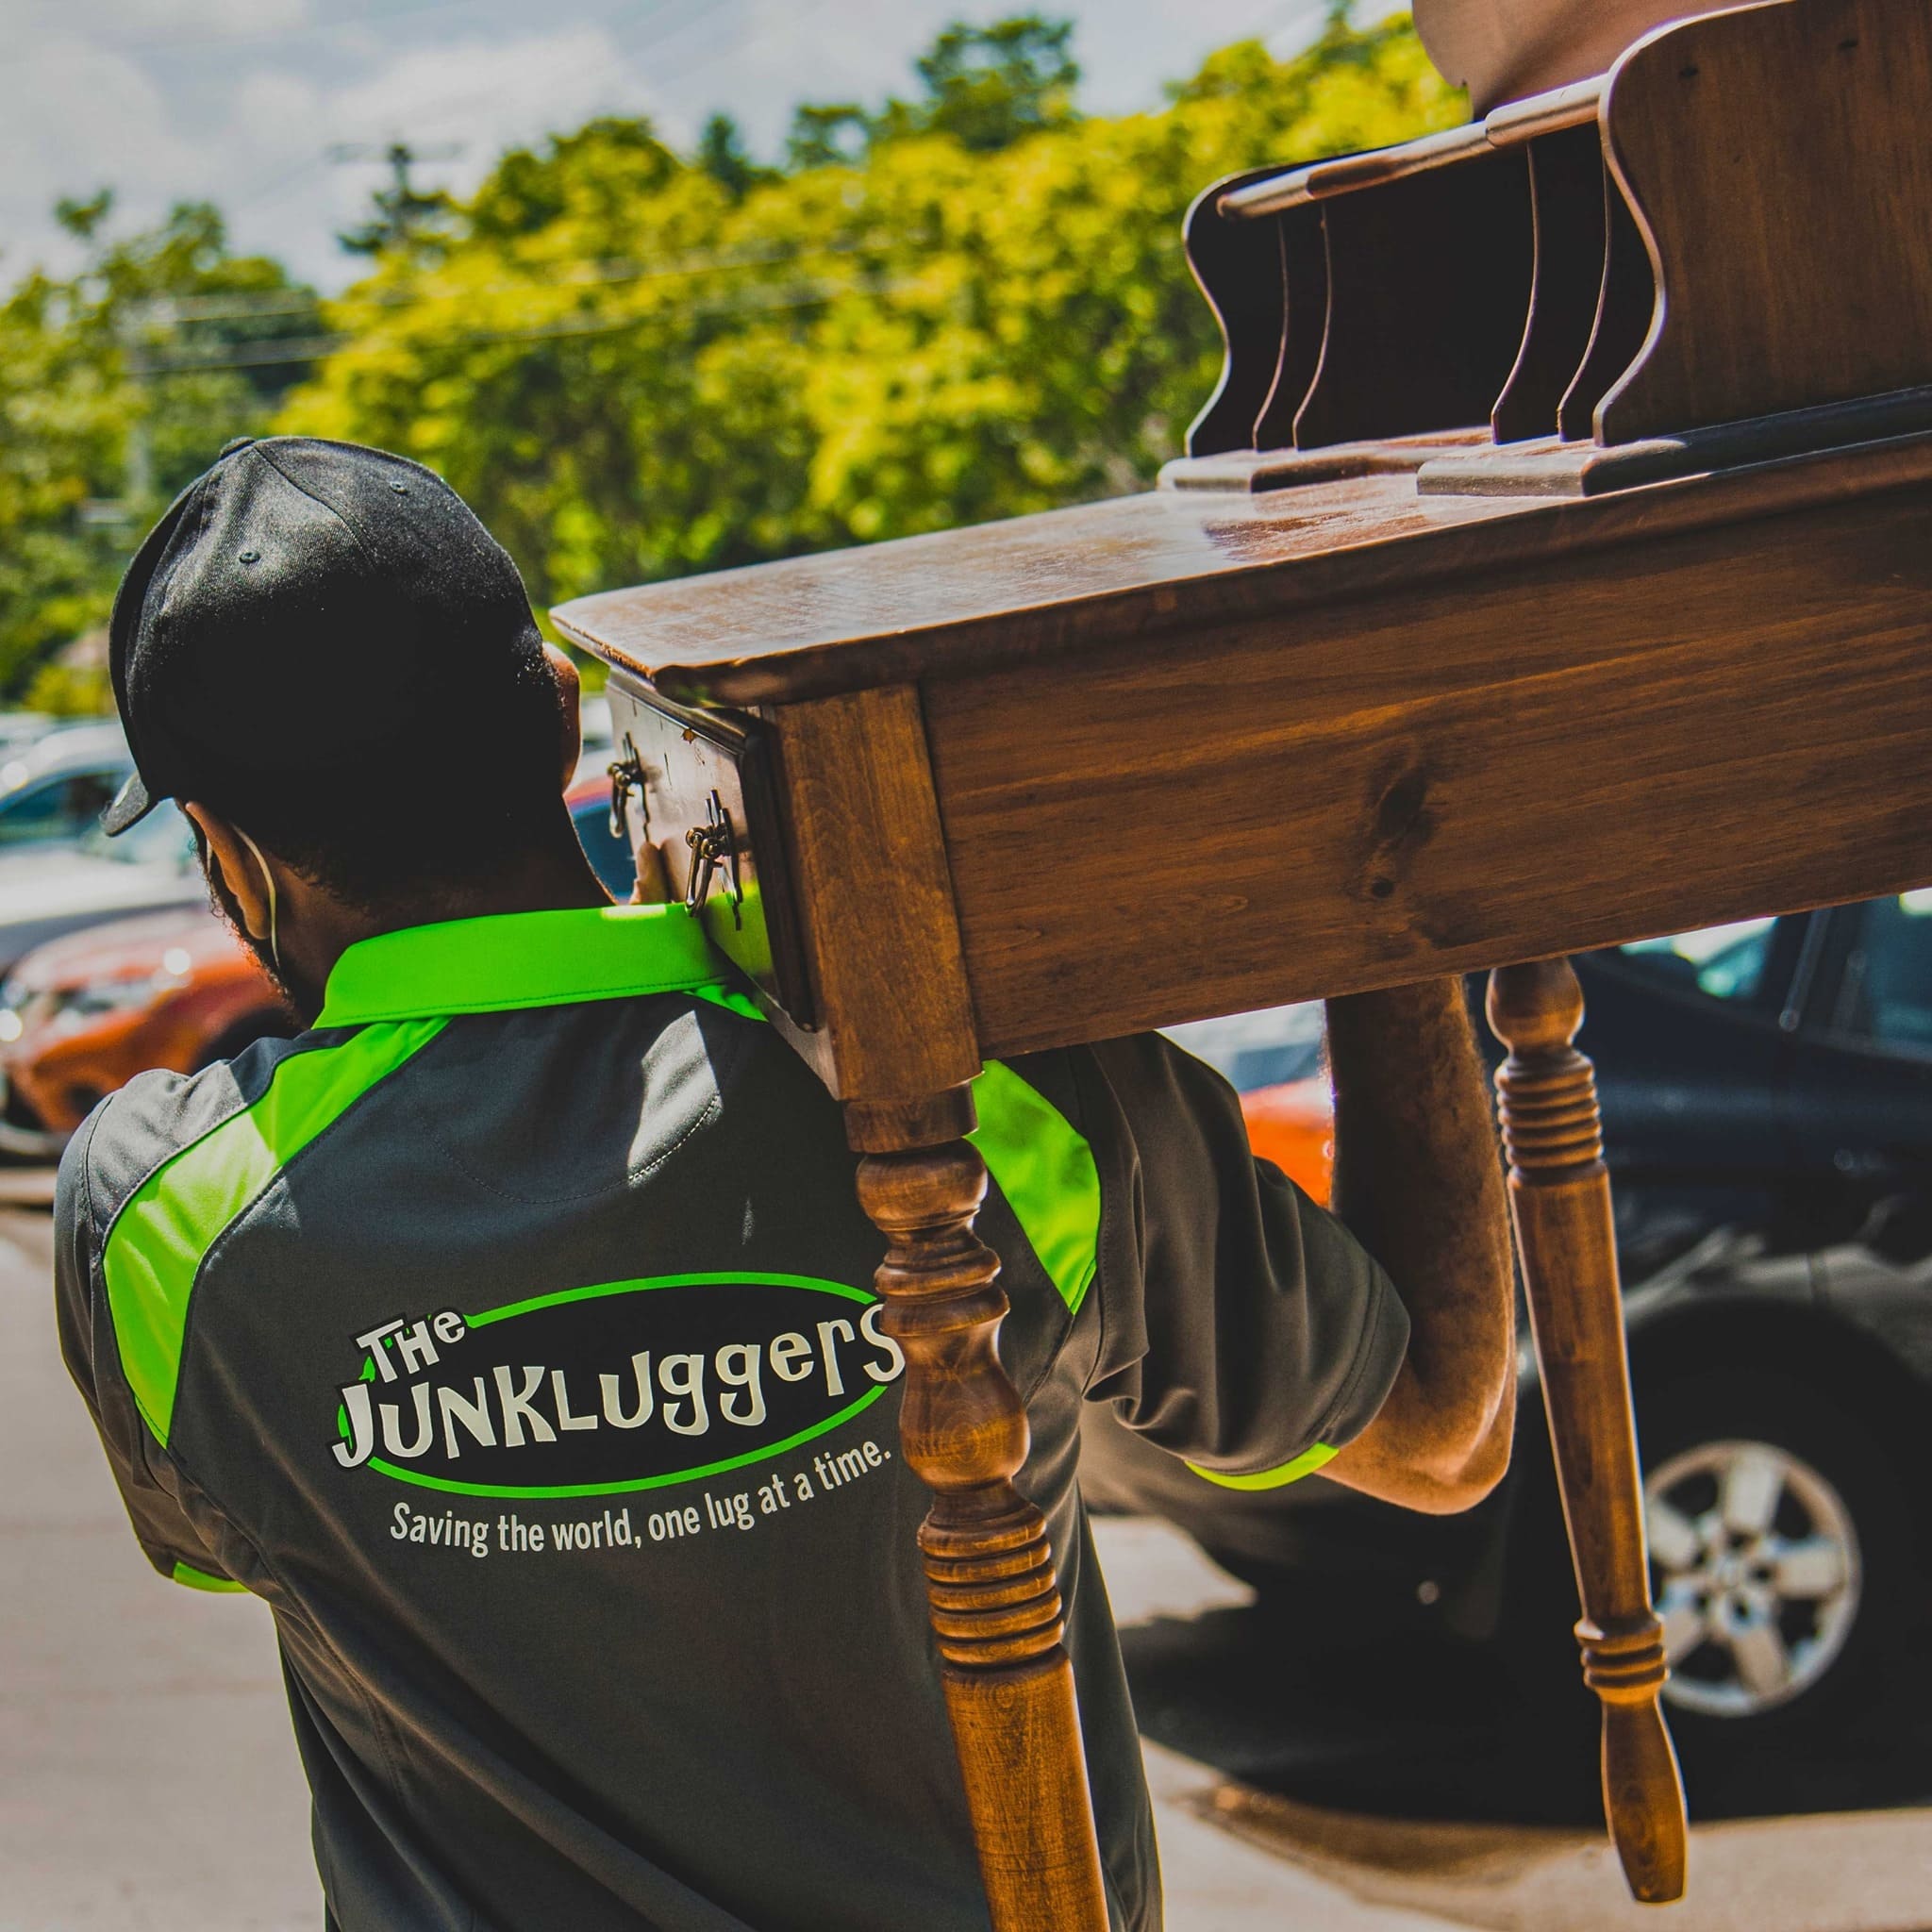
(990, 87)
(107, 407)
(722, 155)
(968, 305)
(636, 369)
(987, 86)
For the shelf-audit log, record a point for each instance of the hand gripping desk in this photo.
(1552, 568)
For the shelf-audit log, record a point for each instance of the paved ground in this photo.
(1264, 1739)
(148, 1780)
(147, 1773)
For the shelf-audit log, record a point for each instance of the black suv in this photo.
(1767, 1090)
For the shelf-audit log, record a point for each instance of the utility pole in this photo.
(133, 326)
(400, 205)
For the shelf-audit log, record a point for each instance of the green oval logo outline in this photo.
(560, 1491)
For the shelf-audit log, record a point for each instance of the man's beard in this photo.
(302, 1000)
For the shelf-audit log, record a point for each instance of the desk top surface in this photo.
(955, 602)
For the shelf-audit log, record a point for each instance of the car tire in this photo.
(1784, 1560)
(1818, 1618)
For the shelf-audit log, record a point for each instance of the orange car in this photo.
(1293, 1125)
(80, 1015)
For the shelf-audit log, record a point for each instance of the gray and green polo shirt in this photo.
(512, 1335)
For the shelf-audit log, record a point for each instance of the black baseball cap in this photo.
(306, 614)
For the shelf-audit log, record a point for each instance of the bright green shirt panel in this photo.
(199, 1580)
(1306, 1463)
(1046, 1171)
(155, 1248)
(1043, 1167)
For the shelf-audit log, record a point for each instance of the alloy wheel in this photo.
(1755, 1573)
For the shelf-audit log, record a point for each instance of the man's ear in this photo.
(569, 722)
(229, 860)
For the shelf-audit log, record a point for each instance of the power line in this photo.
(268, 354)
(432, 107)
(1297, 15)
(313, 349)
(334, 25)
(737, 47)
(243, 306)
(267, 190)
(237, 307)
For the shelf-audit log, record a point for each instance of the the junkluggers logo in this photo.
(626, 1385)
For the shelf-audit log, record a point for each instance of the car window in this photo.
(1885, 992)
(1266, 1048)
(1728, 962)
(55, 807)
(165, 835)
(609, 856)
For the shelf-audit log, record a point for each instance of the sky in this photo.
(240, 102)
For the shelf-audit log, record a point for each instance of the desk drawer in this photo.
(699, 786)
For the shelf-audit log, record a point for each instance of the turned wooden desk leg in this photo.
(990, 1572)
(1559, 1195)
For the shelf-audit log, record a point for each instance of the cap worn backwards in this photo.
(303, 608)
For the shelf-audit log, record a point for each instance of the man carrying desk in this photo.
(512, 1332)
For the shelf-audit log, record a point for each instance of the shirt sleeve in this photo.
(158, 1498)
(1244, 1327)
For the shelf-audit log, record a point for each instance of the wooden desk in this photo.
(1193, 754)
(1393, 681)
(1185, 755)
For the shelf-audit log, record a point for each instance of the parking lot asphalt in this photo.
(148, 1780)
(1414, 1780)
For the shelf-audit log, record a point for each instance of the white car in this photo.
(49, 889)
(52, 789)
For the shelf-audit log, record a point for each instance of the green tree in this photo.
(986, 86)
(833, 136)
(721, 156)
(63, 424)
(116, 386)
(989, 87)
(642, 375)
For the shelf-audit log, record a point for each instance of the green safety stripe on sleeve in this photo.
(155, 1247)
(1046, 1171)
(200, 1580)
(1306, 1463)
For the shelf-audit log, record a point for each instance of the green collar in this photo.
(527, 959)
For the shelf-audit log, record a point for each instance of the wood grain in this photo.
(994, 1598)
(1566, 182)
(1305, 318)
(1283, 469)
(1548, 466)
(1216, 748)
(682, 760)
(1559, 1198)
(1559, 755)
(1627, 301)
(1428, 286)
(1794, 244)
(1166, 565)
(1503, 50)
(1237, 266)
(882, 943)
